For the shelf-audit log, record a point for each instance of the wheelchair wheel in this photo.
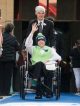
(59, 82)
(56, 84)
(22, 86)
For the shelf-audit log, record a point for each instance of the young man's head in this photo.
(40, 40)
(78, 42)
(40, 12)
(9, 28)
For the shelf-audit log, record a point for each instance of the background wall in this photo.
(68, 9)
(24, 9)
(7, 10)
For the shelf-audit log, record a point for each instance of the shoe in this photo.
(38, 97)
(49, 96)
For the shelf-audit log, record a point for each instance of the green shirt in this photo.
(41, 54)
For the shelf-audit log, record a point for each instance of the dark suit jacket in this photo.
(47, 32)
(59, 44)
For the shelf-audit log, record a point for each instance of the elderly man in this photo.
(45, 26)
(41, 55)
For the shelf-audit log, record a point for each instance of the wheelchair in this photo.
(25, 77)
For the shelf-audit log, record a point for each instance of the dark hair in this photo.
(78, 42)
(50, 18)
(9, 27)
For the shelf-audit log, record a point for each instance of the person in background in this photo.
(65, 63)
(41, 55)
(58, 38)
(44, 26)
(75, 57)
(7, 60)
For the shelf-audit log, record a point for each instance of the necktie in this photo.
(40, 27)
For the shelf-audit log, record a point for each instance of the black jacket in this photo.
(10, 46)
(47, 32)
(75, 54)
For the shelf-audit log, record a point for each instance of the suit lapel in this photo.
(44, 26)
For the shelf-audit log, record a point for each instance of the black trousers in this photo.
(38, 71)
(6, 70)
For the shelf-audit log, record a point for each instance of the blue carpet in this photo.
(30, 97)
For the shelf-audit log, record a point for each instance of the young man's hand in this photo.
(34, 27)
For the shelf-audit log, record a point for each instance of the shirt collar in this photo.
(41, 21)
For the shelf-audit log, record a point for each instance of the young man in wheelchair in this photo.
(41, 55)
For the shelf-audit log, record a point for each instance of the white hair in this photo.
(39, 9)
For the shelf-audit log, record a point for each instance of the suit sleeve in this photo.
(52, 40)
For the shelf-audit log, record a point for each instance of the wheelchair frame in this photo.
(24, 78)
